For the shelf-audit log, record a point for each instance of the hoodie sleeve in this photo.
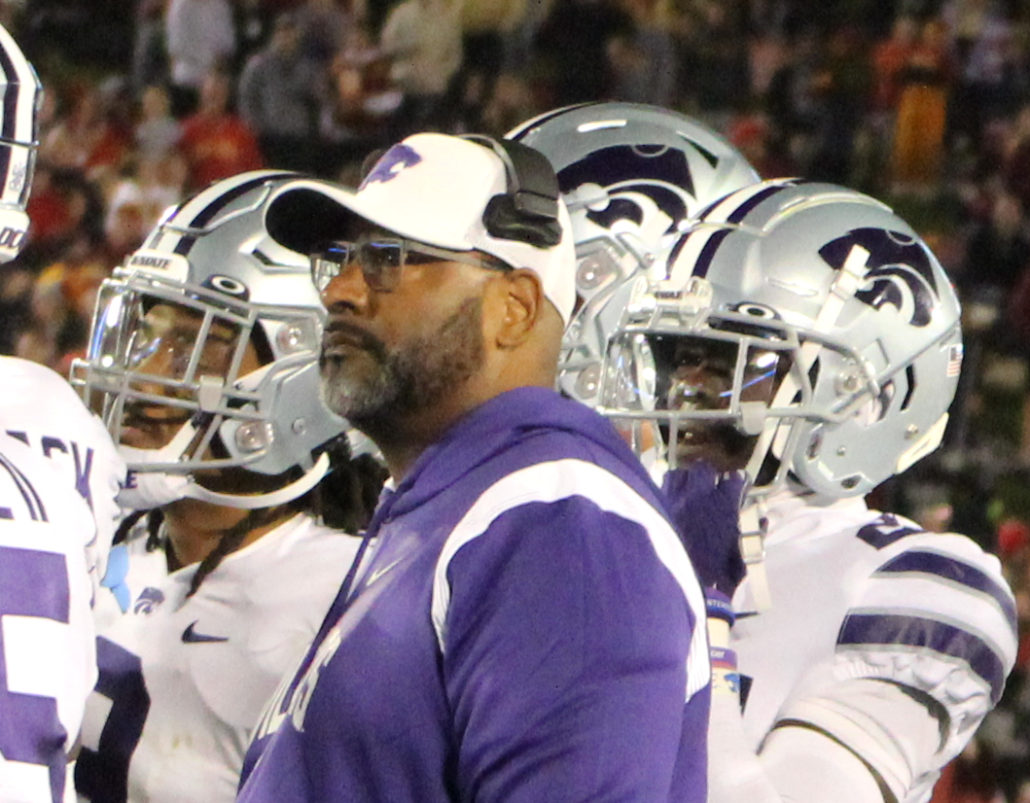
(570, 649)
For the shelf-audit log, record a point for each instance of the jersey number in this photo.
(102, 775)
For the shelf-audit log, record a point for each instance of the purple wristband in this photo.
(719, 605)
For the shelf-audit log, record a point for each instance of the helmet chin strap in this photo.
(280, 496)
(146, 490)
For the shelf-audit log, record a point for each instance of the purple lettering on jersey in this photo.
(32, 584)
(28, 492)
(83, 463)
(83, 470)
(103, 775)
(50, 444)
(885, 531)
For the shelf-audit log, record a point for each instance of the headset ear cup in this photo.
(503, 221)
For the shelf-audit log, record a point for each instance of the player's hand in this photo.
(705, 509)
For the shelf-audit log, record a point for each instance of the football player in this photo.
(59, 474)
(633, 176)
(805, 333)
(203, 361)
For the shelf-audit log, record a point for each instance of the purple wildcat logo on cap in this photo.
(391, 163)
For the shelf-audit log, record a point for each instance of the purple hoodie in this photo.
(526, 629)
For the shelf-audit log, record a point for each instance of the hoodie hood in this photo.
(503, 423)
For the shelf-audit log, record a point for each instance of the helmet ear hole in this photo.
(263, 349)
(910, 378)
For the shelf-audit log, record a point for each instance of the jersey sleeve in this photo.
(934, 622)
(43, 412)
(47, 658)
(567, 652)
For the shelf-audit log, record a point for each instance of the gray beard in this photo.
(415, 376)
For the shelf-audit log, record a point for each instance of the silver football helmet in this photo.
(802, 328)
(633, 177)
(23, 94)
(203, 355)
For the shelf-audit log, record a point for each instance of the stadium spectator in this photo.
(280, 92)
(422, 38)
(215, 141)
(200, 37)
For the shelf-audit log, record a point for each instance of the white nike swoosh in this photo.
(381, 571)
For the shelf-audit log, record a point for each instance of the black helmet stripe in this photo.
(223, 199)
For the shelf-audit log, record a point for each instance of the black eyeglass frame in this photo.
(384, 277)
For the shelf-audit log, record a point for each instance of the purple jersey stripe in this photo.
(33, 583)
(916, 631)
(956, 571)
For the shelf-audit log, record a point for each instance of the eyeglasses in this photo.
(381, 260)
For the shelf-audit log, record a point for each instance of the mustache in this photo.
(342, 333)
(144, 415)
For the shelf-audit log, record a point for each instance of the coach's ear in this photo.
(523, 302)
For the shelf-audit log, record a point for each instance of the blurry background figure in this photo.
(280, 92)
(203, 360)
(645, 61)
(423, 40)
(361, 110)
(922, 113)
(149, 56)
(573, 42)
(986, 62)
(325, 26)
(200, 38)
(156, 131)
(217, 142)
(486, 25)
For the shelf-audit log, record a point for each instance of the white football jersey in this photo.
(47, 659)
(183, 680)
(41, 409)
(133, 565)
(860, 594)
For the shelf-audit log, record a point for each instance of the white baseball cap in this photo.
(459, 193)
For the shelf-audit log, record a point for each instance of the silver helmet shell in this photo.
(845, 292)
(23, 94)
(213, 258)
(633, 177)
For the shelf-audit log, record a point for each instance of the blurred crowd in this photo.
(922, 103)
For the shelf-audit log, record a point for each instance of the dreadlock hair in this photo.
(154, 519)
(346, 497)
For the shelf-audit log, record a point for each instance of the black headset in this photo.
(528, 211)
